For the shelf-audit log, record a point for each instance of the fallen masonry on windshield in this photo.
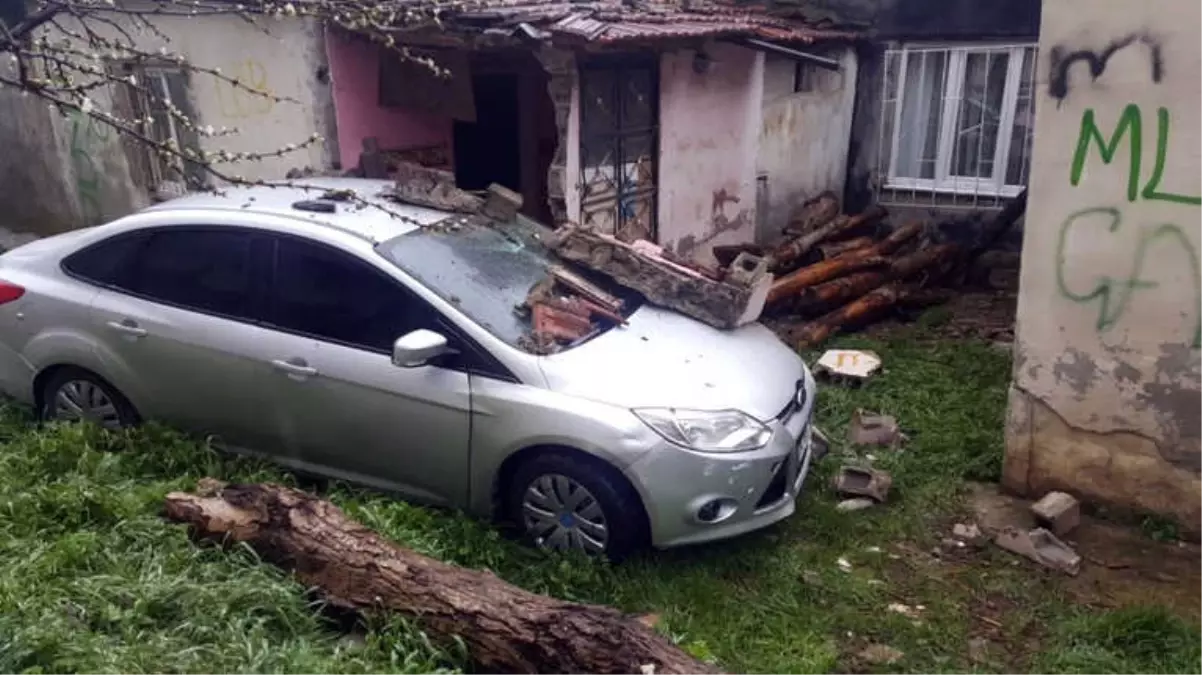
(722, 299)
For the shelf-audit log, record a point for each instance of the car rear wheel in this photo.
(77, 395)
(563, 502)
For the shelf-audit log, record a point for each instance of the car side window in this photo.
(330, 295)
(206, 269)
(107, 262)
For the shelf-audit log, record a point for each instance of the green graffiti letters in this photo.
(1129, 124)
(1114, 295)
(1168, 242)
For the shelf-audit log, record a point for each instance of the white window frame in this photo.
(944, 181)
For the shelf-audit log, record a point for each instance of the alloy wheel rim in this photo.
(562, 514)
(81, 400)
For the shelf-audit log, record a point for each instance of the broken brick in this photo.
(747, 269)
(1041, 546)
(558, 323)
(861, 482)
(1059, 512)
(868, 428)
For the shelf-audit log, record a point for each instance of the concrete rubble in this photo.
(853, 365)
(854, 481)
(968, 533)
(854, 504)
(869, 428)
(881, 654)
(821, 444)
(1041, 546)
(713, 297)
(1059, 512)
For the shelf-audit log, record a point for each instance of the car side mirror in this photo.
(418, 348)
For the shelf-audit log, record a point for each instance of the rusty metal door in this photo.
(619, 135)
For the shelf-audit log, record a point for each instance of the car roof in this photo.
(372, 216)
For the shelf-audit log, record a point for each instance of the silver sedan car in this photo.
(341, 340)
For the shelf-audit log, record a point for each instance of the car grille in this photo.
(796, 402)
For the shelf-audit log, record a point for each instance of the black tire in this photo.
(622, 509)
(126, 414)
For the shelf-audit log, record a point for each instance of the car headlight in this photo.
(707, 430)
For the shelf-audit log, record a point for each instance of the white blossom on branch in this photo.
(81, 56)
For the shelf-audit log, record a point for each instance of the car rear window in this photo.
(108, 262)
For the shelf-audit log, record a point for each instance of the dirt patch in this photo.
(981, 315)
(1120, 565)
(999, 594)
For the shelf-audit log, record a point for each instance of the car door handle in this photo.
(127, 327)
(293, 368)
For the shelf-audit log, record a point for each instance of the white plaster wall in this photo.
(280, 56)
(709, 133)
(804, 136)
(1105, 399)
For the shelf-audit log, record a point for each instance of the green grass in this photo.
(96, 581)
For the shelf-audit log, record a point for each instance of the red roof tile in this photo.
(614, 21)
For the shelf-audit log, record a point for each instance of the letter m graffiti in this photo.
(1090, 134)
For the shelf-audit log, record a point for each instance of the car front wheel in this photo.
(75, 395)
(563, 502)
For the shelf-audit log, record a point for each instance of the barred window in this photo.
(958, 119)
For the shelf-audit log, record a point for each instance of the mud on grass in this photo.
(96, 581)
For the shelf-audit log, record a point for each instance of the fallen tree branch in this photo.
(505, 628)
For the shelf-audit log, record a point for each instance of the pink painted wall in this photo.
(354, 73)
(709, 137)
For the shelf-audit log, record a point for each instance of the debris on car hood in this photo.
(435, 188)
(559, 318)
(645, 267)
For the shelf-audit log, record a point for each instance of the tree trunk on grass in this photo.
(837, 292)
(862, 310)
(505, 628)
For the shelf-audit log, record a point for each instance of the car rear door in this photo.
(345, 407)
(180, 325)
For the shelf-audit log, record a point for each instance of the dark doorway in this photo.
(488, 150)
(514, 138)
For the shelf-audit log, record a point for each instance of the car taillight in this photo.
(9, 292)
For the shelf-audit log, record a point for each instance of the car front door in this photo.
(177, 326)
(347, 409)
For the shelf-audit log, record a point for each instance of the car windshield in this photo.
(486, 268)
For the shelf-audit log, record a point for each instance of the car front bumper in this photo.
(760, 486)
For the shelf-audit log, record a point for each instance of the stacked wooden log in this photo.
(837, 271)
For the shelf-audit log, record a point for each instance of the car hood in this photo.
(666, 359)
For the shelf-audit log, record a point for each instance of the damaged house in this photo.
(687, 124)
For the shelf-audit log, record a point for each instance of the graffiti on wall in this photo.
(1062, 58)
(238, 103)
(1167, 244)
(88, 138)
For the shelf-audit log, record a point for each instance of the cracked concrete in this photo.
(1119, 468)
